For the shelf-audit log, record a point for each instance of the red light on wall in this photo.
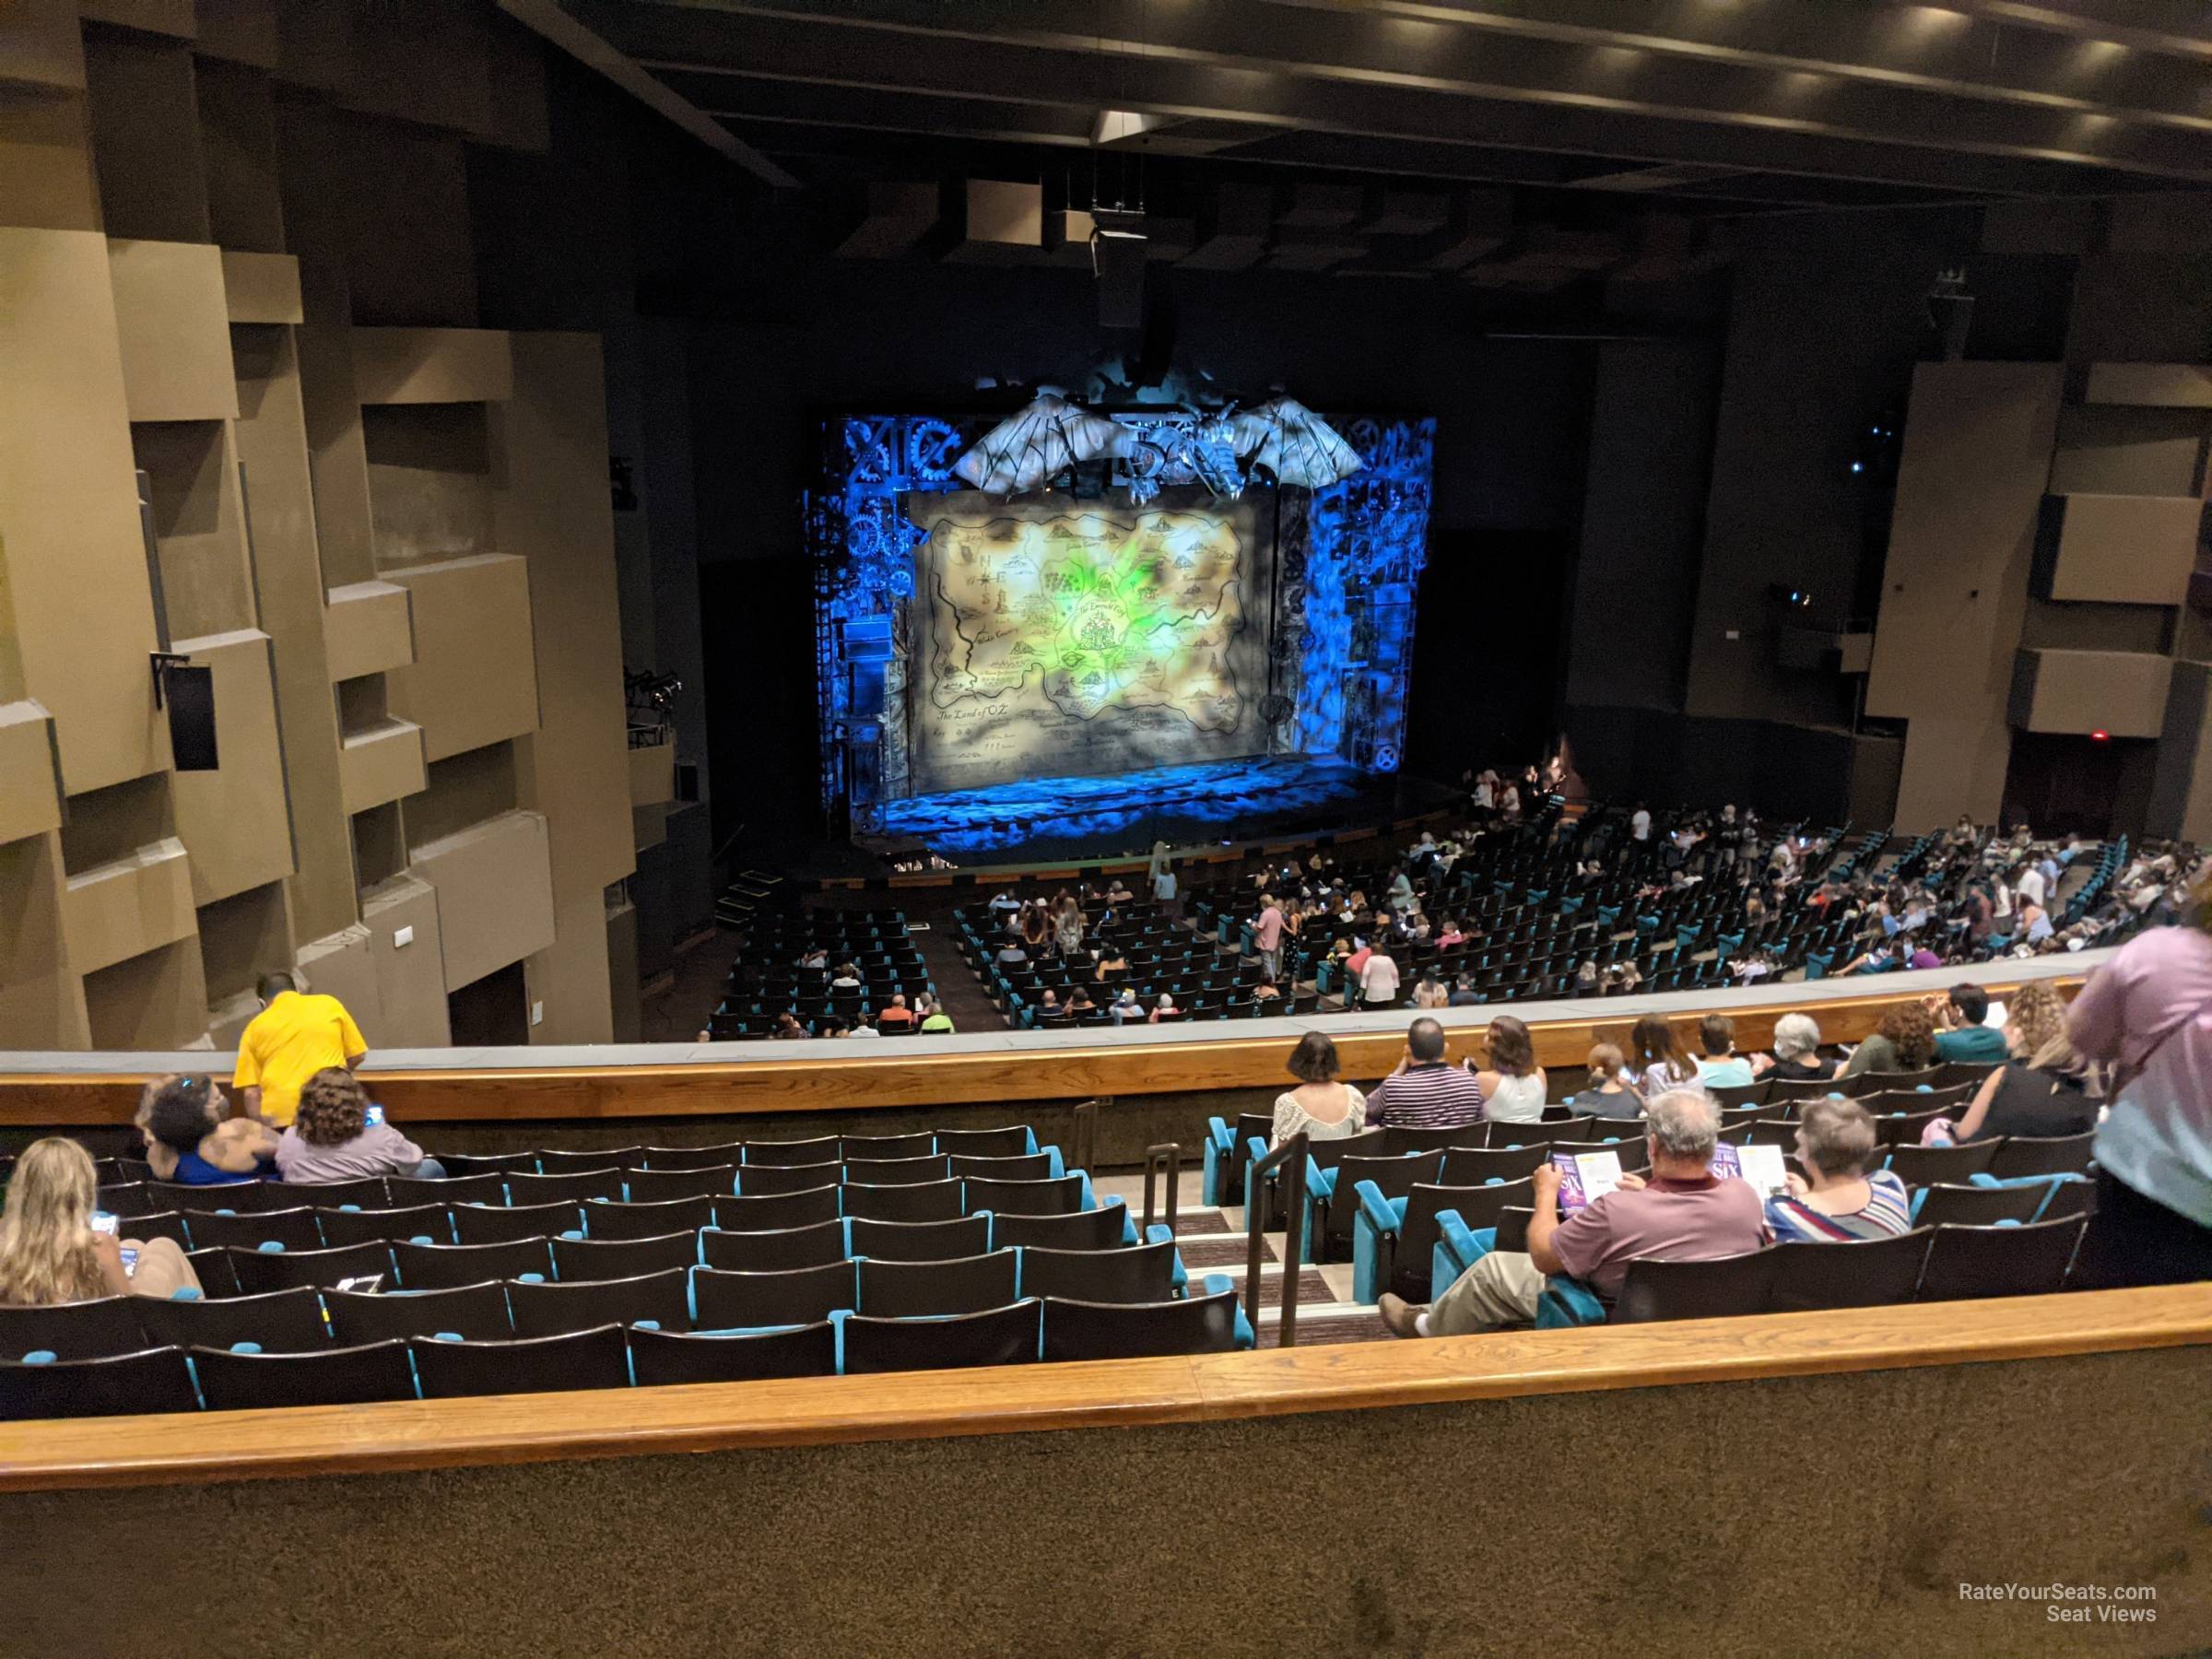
(2100, 735)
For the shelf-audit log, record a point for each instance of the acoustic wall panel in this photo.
(369, 627)
(383, 763)
(2125, 549)
(2120, 693)
(236, 821)
(261, 287)
(433, 365)
(410, 975)
(41, 999)
(2169, 386)
(192, 474)
(69, 508)
(30, 802)
(343, 965)
(129, 906)
(495, 894)
(175, 328)
(474, 680)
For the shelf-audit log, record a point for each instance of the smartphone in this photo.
(364, 1282)
(130, 1261)
(103, 1222)
(375, 1115)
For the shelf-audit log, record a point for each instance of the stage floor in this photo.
(1261, 798)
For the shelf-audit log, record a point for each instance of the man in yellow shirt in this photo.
(291, 1039)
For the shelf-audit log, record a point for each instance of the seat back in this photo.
(1946, 1205)
(499, 1224)
(653, 1220)
(931, 1201)
(922, 1241)
(899, 1171)
(1854, 1273)
(555, 1309)
(966, 1284)
(287, 1229)
(650, 1186)
(1010, 1141)
(1105, 1228)
(487, 1188)
(1965, 1261)
(864, 1146)
(779, 1210)
(731, 1153)
(446, 1266)
(797, 1296)
(460, 1166)
(589, 1359)
(660, 1358)
(476, 1313)
(1922, 1166)
(260, 1271)
(775, 1250)
(96, 1329)
(1326, 1153)
(582, 1260)
(787, 1154)
(1137, 1273)
(1723, 1287)
(760, 1181)
(1047, 1197)
(237, 1196)
(574, 1186)
(125, 1198)
(1086, 1330)
(1029, 1166)
(2041, 1155)
(334, 1376)
(215, 1272)
(133, 1383)
(1399, 1139)
(552, 1161)
(1780, 1089)
(1008, 1335)
(1394, 1176)
(281, 1321)
(368, 1191)
(431, 1221)
(1728, 1096)
(1478, 1206)
(1469, 1166)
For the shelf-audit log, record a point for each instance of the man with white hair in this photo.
(1679, 1214)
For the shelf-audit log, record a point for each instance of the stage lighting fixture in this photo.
(1788, 597)
(1117, 260)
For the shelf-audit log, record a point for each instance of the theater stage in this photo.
(1258, 798)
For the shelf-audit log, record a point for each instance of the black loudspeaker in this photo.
(191, 695)
(1118, 262)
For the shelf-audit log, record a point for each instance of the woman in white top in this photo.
(1322, 1107)
(1513, 1085)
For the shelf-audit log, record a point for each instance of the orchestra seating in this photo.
(767, 979)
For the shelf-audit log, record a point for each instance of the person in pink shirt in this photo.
(1267, 936)
(2149, 1013)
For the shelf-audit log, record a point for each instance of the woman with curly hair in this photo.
(334, 1140)
(2043, 1089)
(50, 1252)
(1905, 1040)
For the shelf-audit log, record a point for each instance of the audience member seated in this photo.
(1656, 1064)
(1320, 1106)
(1428, 991)
(1513, 1086)
(897, 1017)
(1962, 1035)
(2043, 1089)
(50, 1251)
(862, 1029)
(1835, 1198)
(1903, 1040)
(1721, 1066)
(935, 1022)
(332, 1139)
(1797, 1056)
(191, 1139)
(788, 1027)
(1608, 1094)
(1681, 1214)
(1425, 1091)
(1166, 1012)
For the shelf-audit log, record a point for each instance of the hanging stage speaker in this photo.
(191, 695)
(1117, 259)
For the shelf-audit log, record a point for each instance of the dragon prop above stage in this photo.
(1282, 439)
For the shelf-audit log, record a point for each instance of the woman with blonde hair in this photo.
(2043, 1089)
(50, 1253)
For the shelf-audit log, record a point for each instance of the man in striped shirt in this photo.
(1425, 1091)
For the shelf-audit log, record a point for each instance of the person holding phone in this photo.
(339, 1135)
(52, 1252)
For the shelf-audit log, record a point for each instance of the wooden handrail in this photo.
(907, 1075)
(355, 1439)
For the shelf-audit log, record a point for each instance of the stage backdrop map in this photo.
(1058, 637)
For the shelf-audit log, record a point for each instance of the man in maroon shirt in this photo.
(1680, 1213)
